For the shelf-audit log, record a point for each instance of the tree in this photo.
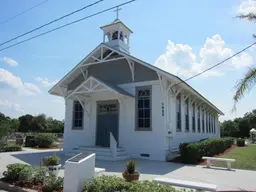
(229, 128)
(249, 80)
(5, 128)
(26, 123)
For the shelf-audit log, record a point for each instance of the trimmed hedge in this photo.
(10, 148)
(192, 153)
(112, 183)
(240, 142)
(44, 140)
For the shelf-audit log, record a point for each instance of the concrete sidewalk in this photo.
(240, 180)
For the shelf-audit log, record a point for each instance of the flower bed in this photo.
(112, 183)
(25, 176)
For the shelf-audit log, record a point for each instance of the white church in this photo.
(121, 107)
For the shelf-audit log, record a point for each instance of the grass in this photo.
(245, 158)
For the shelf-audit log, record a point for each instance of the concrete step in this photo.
(102, 153)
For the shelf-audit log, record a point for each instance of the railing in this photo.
(113, 145)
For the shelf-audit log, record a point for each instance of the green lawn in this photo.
(245, 158)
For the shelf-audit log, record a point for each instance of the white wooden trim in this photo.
(103, 61)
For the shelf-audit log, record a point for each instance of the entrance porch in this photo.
(95, 113)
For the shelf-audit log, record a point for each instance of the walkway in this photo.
(240, 180)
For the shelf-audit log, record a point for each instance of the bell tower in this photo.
(117, 35)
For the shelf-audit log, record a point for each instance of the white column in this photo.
(118, 33)
(173, 115)
(104, 36)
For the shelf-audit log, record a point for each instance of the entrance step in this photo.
(102, 153)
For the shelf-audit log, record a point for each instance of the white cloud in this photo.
(45, 82)
(9, 61)
(180, 59)
(5, 104)
(59, 101)
(17, 85)
(247, 6)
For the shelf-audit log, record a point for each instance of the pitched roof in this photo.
(158, 70)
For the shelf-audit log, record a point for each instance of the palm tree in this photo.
(249, 80)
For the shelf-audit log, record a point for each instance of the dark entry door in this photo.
(107, 121)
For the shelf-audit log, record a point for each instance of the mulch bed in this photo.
(203, 162)
(27, 185)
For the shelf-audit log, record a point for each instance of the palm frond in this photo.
(249, 16)
(244, 85)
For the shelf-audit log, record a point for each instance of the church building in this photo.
(120, 107)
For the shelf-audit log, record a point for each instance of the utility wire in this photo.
(40, 27)
(62, 26)
(23, 12)
(208, 69)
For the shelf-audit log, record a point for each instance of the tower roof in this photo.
(117, 22)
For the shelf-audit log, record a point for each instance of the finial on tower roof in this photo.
(117, 11)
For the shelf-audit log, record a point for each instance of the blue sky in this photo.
(182, 37)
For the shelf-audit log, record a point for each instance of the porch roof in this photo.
(92, 85)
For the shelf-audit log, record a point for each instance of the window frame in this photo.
(73, 116)
(137, 89)
(193, 118)
(198, 120)
(178, 114)
(186, 107)
(203, 121)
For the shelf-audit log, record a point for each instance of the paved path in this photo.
(240, 180)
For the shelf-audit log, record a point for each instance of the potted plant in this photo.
(53, 164)
(130, 173)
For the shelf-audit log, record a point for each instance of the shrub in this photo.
(52, 183)
(193, 152)
(39, 175)
(26, 174)
(9, 148)
(112, 183)
(130, 167)
(44, 140)
(14, 170)
(240, 142)
(30, 141)
(51, 160)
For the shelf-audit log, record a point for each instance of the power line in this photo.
(37, 28)
(27, 10)
(62, 26)
(208, 69)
